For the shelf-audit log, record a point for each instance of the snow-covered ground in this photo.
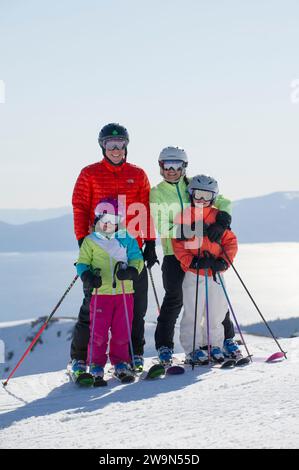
(252, 407)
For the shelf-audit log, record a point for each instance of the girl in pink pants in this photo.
(109, 261)
(109, 316)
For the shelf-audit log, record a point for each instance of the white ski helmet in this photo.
(175, 154)
(204, 183)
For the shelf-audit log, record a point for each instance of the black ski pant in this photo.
(81, 331)
(173, 276)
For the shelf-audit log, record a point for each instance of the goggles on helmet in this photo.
(205, 195)
(109, 219)
(175, 165)
(112, 144)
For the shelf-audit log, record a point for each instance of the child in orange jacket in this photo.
(197, 255)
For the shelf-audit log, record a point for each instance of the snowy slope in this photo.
(52, 352)
(252, 407)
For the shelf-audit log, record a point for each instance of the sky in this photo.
(218, 78)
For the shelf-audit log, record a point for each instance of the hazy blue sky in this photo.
(213, 76)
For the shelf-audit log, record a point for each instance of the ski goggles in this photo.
(205, 195)
(112, 144)
(109, 219)
(175, 165)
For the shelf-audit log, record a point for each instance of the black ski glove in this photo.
(149, 253)
(128, 274)
(202, 262)
(91, 280)
(219, 264)
(216, 230)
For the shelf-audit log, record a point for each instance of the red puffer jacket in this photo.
(101, 180)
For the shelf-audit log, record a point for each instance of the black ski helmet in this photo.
(112, 130)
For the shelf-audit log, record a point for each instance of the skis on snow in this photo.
(85, 379)
(124, 378)
(235, 362)
(159, 370)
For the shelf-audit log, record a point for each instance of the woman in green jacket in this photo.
(168, 199)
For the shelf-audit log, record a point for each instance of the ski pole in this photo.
(195, 313)
(207, 312)
(40, 331)
(128, 324)
(154, 289)
(254, 303)
(234, 315)
(93, 326)
(96, 272)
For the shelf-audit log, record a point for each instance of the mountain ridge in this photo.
(262, 219)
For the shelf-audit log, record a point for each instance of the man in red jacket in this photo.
(113, 176)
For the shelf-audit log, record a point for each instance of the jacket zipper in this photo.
(180, 196)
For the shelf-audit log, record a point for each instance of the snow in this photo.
(251, 407)
(291, 195)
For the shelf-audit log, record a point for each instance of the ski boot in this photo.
(138, 363)
(124, 373)
(231, 349)
(97, 372)
(78, 372)
(165, 355)
(217, 355)
(199, 357)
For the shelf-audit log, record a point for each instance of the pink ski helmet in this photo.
(109, 205)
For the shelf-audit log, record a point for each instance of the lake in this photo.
(32, 283)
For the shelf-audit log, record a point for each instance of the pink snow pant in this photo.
(110, 315)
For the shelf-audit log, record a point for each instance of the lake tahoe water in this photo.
(32, 283)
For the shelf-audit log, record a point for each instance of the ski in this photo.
(228, 364)
(276, 357)
(124, 378)
(273, 359)
(83, 380)
(235, 362)
(175, 369)
(155, 371)
(100, 382)
(242, 361)
(160, 370)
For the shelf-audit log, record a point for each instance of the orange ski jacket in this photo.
(185, 250)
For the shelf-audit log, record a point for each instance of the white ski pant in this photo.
(217, 310)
